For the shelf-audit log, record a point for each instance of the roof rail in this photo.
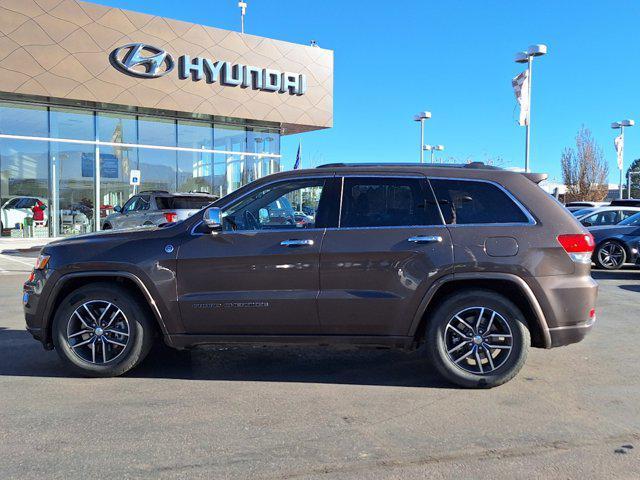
(474, 165)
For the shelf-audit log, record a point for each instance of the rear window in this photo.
(466, 202)
(182, 203)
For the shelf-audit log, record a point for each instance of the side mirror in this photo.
(117, 209)
(586, 224)
(213, 218)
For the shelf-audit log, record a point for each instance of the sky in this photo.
(394, 59)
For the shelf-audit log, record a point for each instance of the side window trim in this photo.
(525, 211)
(424, 183)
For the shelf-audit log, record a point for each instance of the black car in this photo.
(617, 244)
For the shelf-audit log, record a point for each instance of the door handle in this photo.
(425, 239)
(296, 243)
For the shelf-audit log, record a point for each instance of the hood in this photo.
(113, 235)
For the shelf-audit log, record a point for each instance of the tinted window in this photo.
(470, 202)
(609, 217)
(188, 203)
(386, 202)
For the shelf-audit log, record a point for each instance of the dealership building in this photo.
(96, 102)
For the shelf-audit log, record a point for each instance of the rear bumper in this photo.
(570, 334)
(567, 302)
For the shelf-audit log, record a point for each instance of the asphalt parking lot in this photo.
(572, 412)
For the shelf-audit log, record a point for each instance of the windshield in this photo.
(184, 202)
(633, 220)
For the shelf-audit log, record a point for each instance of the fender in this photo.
(53, 295)
(519, 282)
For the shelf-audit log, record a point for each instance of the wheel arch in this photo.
(511, 286)
(72, 281)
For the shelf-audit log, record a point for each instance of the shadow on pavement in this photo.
(630, 288)
(20, 355)
(616, 274)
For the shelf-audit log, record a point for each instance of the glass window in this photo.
(627, 213)
(183, 202)
(608, 217)
(117, 128)
(116, 164)
(72, 188)
(466, 202)
(195, 169)
(24, 120)
(24, 173)
(131, 204)
(230, 138)
(386, 202)
(75, 124)
(274, 207)
(157, 131)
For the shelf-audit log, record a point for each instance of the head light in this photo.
(41, 262)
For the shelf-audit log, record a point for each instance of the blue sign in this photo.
(109, 165)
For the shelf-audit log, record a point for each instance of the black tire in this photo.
(599, 252)
(138, 344)
(106, 226)
(470, 300)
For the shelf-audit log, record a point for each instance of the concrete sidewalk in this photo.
(29, 244)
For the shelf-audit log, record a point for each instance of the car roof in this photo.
(614, 208)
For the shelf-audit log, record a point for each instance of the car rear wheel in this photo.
(106, 226)
(477, 339)
(101, 330)
(610, 255)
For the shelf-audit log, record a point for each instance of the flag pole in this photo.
(528, 134)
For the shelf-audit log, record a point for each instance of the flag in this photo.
(619, 144)
(520, 85)
(296, 165)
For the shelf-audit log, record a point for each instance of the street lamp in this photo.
(620, 125)
(432, 149)
(527, 57)
(243, 11)
(421, 117)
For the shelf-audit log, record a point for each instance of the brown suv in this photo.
(475, 263)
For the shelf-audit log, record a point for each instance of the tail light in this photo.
(579, 246)
(171, 217)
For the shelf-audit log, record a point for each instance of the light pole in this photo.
(432, 149)
(243, 10)
(421, 117)
(527, 57)
(620, 125)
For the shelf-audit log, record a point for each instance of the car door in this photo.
(257, 276)
(391, 245)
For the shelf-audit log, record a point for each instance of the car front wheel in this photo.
(477, 339)
(101, 330)
(610, 255)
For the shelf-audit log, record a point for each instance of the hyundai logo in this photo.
(142, 60)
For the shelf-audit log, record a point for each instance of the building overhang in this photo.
(83, 54)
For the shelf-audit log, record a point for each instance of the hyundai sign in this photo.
(146, 61)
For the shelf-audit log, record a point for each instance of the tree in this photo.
(584, 170)
(635, 178)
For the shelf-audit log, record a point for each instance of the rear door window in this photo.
(182, 202)
(387, 202)
(471, 202)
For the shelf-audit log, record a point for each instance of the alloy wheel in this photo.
(98, 332)
(611, 255)
(478, 340)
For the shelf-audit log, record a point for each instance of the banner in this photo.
(520, 85)
(619, 144)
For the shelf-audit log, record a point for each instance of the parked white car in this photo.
(16, 209)
(606, 216)
(155, 208)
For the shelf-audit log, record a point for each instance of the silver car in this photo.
(155, 208)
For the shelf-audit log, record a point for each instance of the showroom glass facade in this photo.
(76, 163)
